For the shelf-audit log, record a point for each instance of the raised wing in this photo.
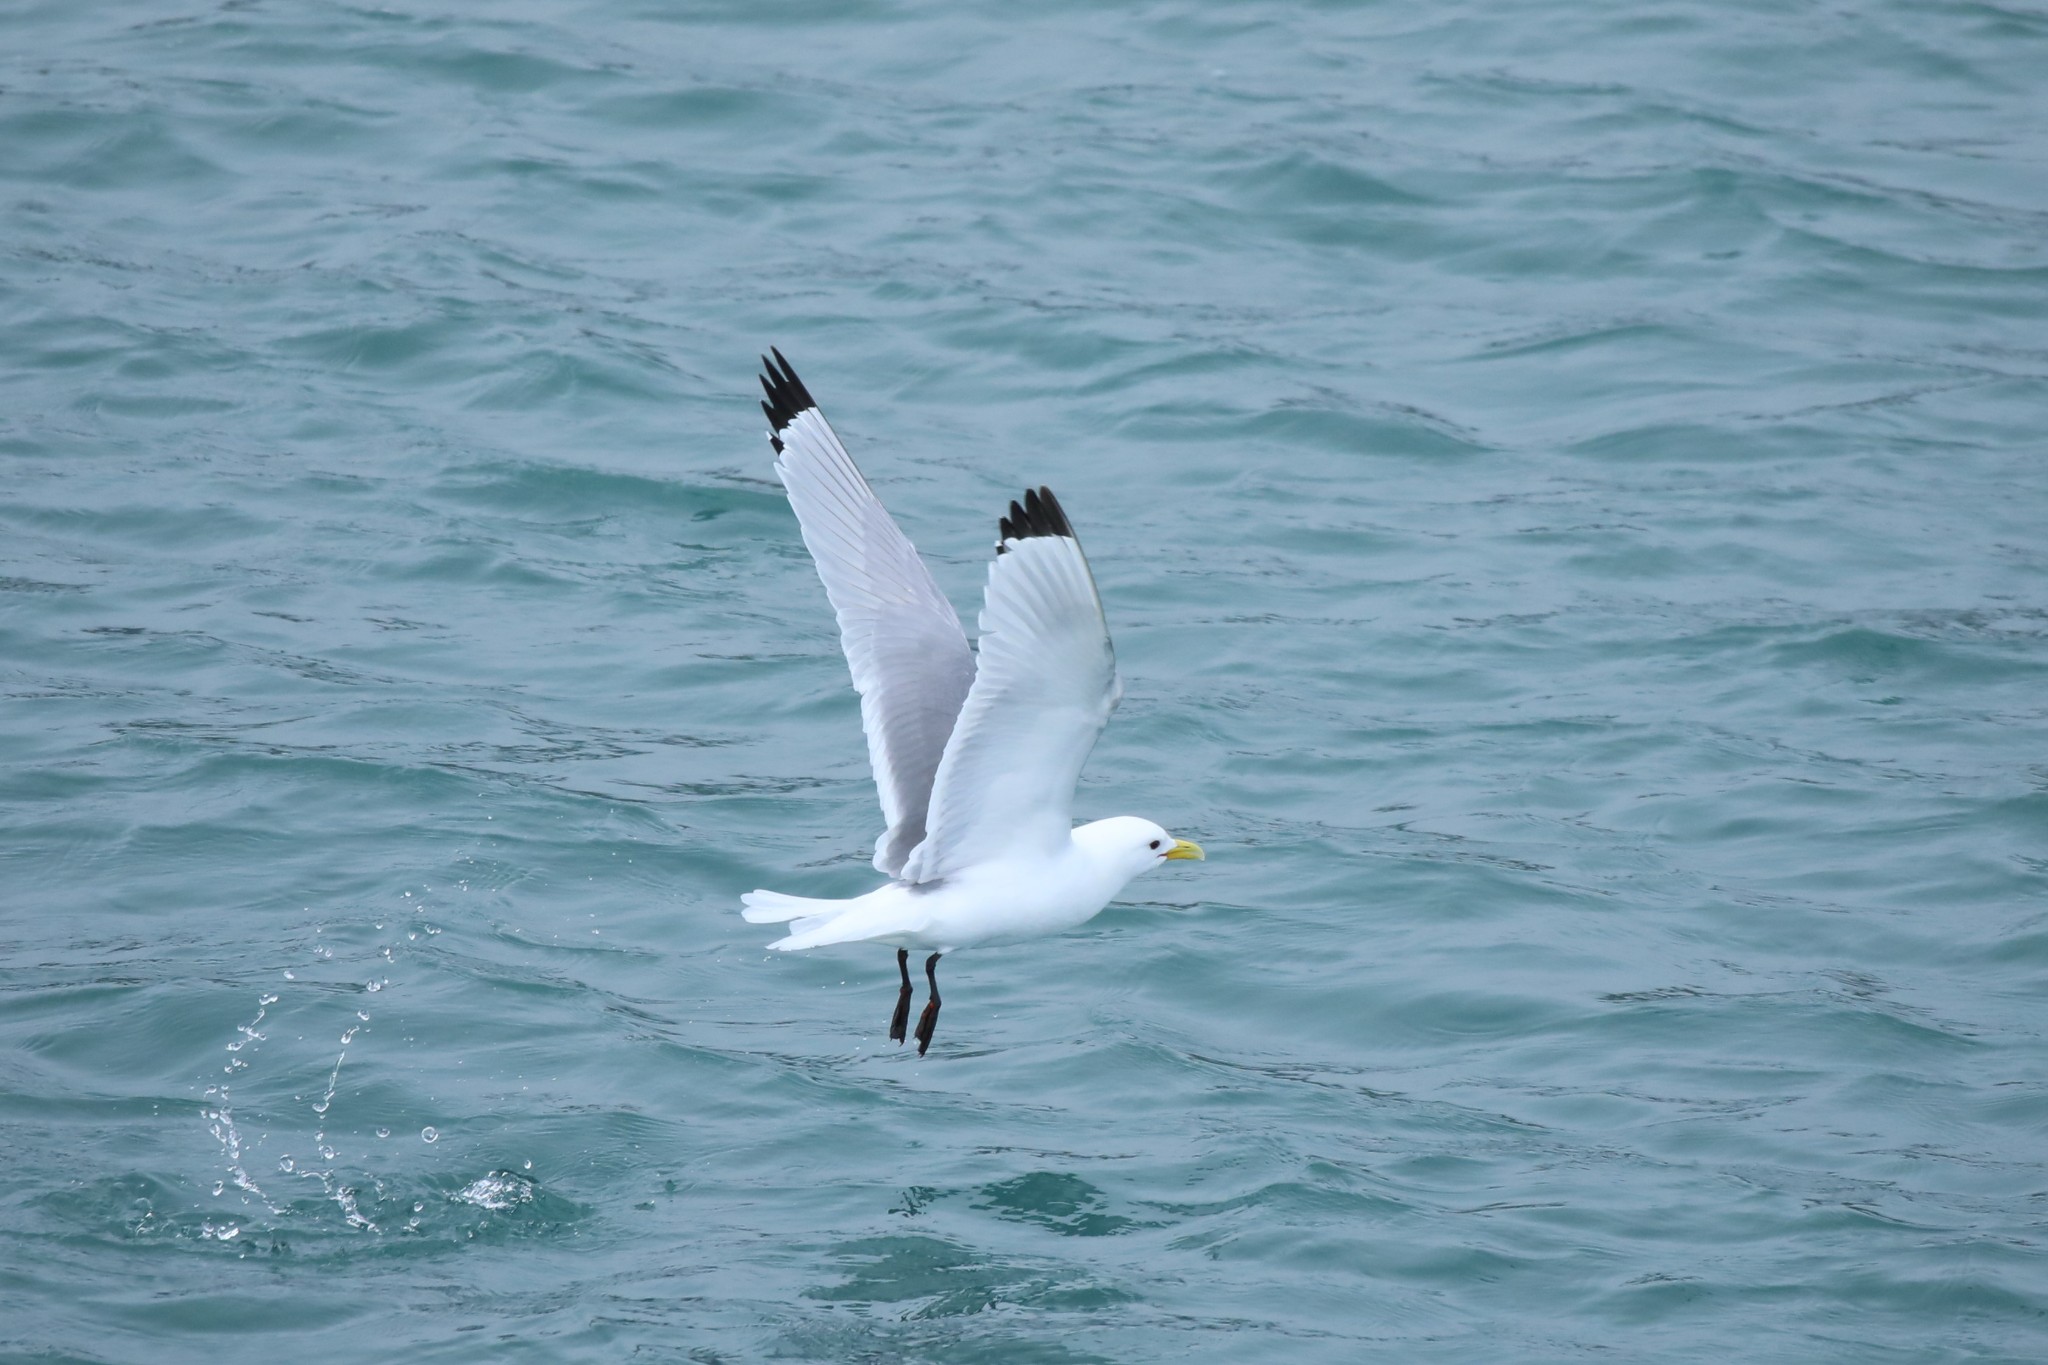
(909, 657)
(1043, 689)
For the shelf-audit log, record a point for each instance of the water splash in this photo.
(332, 1188)
(497, 1191)
(335, 1187)
(220, 1115)
(348, 1036)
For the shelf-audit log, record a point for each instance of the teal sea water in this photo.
(1568, 484)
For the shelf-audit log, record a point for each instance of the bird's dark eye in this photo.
(1155, 843)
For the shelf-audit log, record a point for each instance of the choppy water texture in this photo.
(1569, 488)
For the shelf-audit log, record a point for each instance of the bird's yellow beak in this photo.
(1185, 848)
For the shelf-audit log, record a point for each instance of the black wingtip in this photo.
(787, 396)
(1039, 514)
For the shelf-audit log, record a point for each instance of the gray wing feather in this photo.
(903, 641)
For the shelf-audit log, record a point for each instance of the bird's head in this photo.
(1128, 842)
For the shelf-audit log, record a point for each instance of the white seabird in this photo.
(975, 752)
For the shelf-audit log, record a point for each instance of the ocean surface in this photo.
(1570, 489)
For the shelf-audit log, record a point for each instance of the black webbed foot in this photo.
(901, 1020)
(929, 1020)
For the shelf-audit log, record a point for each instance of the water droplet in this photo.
(383, 1132)
(430, 1134)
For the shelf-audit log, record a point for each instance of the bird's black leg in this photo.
(901, 1020)
(930, 1018)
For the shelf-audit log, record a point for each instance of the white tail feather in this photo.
(772, 907)
(877, 916)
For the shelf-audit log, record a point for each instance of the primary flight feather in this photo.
(975, 755)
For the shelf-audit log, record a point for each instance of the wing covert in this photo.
(902, 639)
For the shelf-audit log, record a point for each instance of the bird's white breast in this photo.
(1012, 899)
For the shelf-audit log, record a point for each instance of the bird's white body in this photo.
(1023, 895)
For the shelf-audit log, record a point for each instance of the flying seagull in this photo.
(975, 752)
